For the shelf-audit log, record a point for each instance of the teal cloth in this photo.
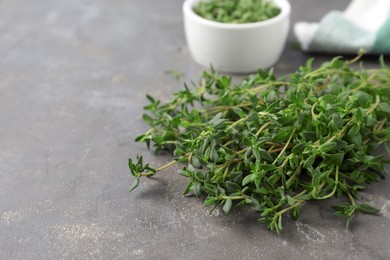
(382, 41)
(336, 34)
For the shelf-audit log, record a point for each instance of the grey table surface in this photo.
(73, 80)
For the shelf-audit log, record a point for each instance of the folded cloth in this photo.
(364, 24)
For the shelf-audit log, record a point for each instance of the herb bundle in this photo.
(274, 144)
(237, 11)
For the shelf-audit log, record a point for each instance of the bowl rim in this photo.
(284, 5)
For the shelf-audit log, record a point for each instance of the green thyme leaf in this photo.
(227, 206)
(367, 209)
(134, 185)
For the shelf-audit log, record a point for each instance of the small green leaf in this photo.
(359, 114)
(196, 162)
(232, 186)
(337, 121)
(188, 188)
(290, 201)
(239, 112)
(176, 122)
(354, 131)
(340, 207)
(224, 82)
(254, 204)
(385, 107)
(134, 185)
(262, 73)
(256, 153)
(299, 148)
(132, 168)
(227, 206)
(309, 161)
(336, 63)
(367, 209)
(140, 138)
(197, 189)
(252, 117)
(356, 139)
(265, 155)
(281, 136)
(148, 119)
(294, 213)
(248, 179)
(150, 98)
(209, 201)
(262, 190)
(327, 147)
(271, 96)
(315, 122)
(336, 159)
(268, 167)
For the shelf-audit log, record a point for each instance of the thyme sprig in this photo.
(274, 144)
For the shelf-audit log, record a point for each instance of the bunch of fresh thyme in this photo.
(237, 11)
(274, 143)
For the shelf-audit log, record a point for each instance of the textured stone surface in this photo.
(73, 79)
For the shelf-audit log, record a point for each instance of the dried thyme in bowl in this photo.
(237, 11)
(275, 143)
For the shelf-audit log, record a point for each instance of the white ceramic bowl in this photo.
(236, 48)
